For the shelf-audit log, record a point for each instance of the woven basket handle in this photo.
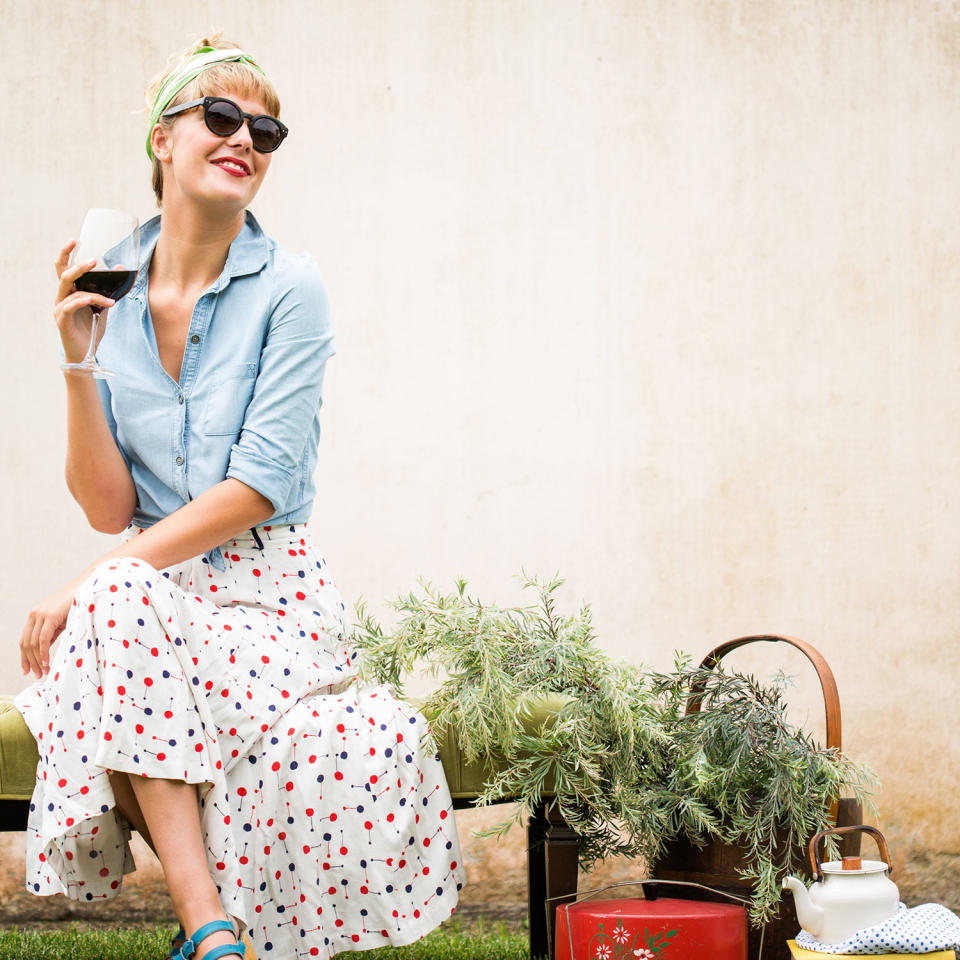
(831, 698)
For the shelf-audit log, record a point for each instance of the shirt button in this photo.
(195, 338)
(180, 398)
(179, 461)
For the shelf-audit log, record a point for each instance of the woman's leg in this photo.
(171, 813)
(128, 806)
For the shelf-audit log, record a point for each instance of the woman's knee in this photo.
(122, 572)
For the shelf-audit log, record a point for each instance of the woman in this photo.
(201, 688)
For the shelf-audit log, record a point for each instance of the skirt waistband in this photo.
(255, 536)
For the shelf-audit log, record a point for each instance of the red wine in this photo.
(108, 283)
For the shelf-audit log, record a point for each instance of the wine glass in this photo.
(112, 238)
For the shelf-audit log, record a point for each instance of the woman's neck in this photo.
(192, 248)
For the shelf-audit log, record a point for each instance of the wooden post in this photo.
(537, 881)
(563, 853)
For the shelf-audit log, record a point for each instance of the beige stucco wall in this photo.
(657, 294)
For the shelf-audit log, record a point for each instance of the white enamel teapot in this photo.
(847, 895)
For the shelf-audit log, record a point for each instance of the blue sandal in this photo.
(189, 947)
(181, 934)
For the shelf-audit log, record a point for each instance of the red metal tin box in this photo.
(644, 929)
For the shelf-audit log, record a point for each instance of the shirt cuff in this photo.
(266, 477)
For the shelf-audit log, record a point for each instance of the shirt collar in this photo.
(248, 251)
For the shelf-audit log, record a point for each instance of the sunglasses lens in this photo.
(266, 134)
(222, 118)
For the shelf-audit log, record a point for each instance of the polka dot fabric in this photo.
(928, 928)
(325, 812)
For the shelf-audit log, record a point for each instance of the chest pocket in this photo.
(229, 397)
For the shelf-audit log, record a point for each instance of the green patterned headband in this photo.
(203, 59)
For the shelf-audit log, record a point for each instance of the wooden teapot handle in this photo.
(815, 862)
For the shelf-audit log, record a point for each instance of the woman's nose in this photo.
(242, 136)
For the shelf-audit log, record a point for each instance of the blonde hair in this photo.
(234, 77)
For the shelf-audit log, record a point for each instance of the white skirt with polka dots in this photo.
(325, 812)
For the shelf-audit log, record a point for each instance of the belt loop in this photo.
(256, 538)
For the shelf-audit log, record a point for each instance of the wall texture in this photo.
(659, 294)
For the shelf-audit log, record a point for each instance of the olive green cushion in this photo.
(18, 751)
(18, 754)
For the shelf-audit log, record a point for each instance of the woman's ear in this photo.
(160, 142)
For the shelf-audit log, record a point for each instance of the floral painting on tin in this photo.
(620, 944)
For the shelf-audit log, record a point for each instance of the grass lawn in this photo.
(483, 942)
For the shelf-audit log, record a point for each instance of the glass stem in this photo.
(91, 349)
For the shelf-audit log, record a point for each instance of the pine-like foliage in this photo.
(630, 770)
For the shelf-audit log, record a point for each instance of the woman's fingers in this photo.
(77, 300)
(69, 275)
(39, 634)
(26, 662)
(29, 644)
(61, 262)
(49, 631)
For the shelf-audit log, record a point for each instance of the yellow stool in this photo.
(800, 954)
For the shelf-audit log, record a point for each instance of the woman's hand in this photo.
(73, 309)
(44, 624)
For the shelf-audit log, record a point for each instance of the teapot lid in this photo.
(837, 867)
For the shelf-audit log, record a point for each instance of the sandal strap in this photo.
(189, 947)
(175, 951)
(228, 949)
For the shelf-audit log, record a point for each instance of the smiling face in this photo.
(201, 168)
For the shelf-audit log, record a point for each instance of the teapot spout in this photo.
(808, 913)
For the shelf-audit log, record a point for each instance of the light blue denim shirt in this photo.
(248, 401)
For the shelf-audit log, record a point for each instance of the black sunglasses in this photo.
(223, 118)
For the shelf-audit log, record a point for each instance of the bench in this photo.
(552, 847)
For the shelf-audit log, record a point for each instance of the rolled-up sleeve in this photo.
(287, 396)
